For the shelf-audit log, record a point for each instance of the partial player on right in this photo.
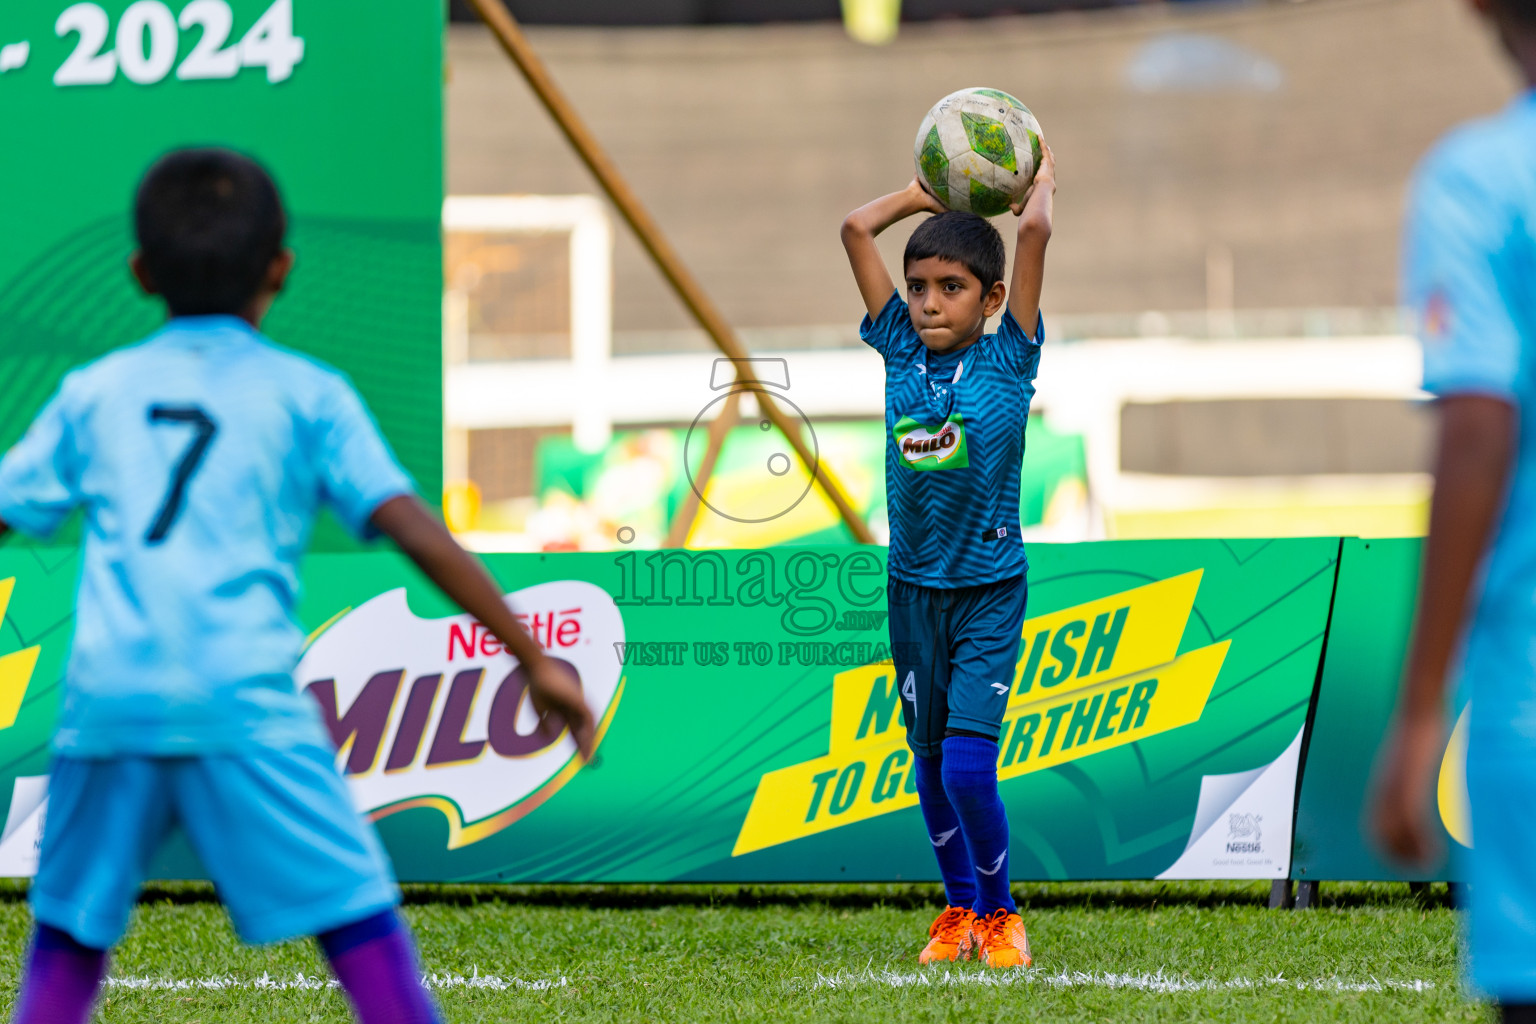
(1470, 276)
(957, 404)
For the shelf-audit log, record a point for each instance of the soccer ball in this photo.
(977, 151)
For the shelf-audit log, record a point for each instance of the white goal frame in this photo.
(585, 219)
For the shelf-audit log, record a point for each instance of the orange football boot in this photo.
(949, 937)
(1000, 940)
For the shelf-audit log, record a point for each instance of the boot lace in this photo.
(950, 925)
(993, 929)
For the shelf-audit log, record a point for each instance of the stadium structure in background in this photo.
(1188, 441)
(520, 52)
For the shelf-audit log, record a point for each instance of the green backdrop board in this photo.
(752, 730)
(1367, 641)
(37, 594)
(342, 99)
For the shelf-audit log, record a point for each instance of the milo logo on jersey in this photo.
(1090, 678)
(435, 713)
(924, 447)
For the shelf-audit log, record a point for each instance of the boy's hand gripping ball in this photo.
(977, 151)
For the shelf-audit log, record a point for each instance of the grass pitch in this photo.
(1104, 952)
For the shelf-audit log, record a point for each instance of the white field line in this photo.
(299, 982)
(1158, 982)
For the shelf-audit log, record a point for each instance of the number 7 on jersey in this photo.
(176, 494)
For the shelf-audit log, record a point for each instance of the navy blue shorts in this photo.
(955, 653)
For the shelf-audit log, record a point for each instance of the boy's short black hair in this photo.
(1522, 12)
(964, 238)
(209, 224)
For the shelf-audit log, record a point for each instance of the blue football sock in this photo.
(944, 833)
(970, 782)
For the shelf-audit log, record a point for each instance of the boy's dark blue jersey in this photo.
(954, 442)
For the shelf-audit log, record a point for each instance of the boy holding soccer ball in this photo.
(957, 403)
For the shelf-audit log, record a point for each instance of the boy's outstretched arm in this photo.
(859, 230)
(428, 543)
(1477, 444)
(1034, 215)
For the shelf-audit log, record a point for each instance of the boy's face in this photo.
(948, 305)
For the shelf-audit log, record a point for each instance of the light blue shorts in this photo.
(1500, 677)
(1501, 919)
(276, 831)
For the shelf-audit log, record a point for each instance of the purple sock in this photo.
(62, 979)
(376, 964)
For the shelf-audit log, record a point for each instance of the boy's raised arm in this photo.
(859, 230)
(461, 576)
(1034, 234)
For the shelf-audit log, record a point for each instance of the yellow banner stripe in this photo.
(1078, 648)
(862, 780)
(15, 669)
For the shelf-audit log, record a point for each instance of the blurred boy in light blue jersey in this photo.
(956, 407)
(200, 458)
(1470, 275)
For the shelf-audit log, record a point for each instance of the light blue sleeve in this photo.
(883, 332)
(1454, 280)
(358, 471)
(1021, 350)
(40, 477)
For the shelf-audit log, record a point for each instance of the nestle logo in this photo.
(1244, 828)
(435, 713)
(549, 629)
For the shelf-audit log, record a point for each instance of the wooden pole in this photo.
(728, 417)
(505, 28)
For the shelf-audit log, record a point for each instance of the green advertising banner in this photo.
(751, 719)
(341, 99)
(37, 614)
(1367, 641)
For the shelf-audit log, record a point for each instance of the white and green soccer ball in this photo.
(977, 151)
